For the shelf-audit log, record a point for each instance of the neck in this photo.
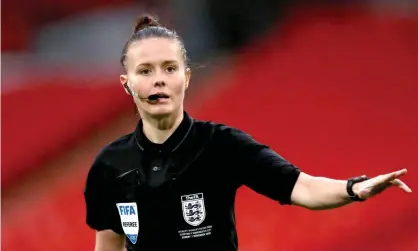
(158, 130)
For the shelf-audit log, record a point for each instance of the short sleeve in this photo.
(100, 197)
(262, 169)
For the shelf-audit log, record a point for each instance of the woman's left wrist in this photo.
(353, 188)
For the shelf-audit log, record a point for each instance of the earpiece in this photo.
(127, 88)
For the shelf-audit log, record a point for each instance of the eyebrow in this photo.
(166, 62)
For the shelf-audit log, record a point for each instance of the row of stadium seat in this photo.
(21, 19)
(46, 119)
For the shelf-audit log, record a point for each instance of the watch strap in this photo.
(350, 183)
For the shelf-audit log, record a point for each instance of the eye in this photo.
(145, 72)
(171, 69)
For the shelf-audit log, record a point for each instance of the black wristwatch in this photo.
(350, 183)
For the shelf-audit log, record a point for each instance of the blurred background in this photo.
(330, 85)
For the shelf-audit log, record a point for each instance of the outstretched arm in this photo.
(319, 193)
(268, 173)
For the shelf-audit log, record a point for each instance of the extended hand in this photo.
(373, 186)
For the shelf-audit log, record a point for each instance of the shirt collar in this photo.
(171, 144)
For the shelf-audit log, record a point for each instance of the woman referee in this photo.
(171, 184)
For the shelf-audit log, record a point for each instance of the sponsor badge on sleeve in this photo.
(128, 213)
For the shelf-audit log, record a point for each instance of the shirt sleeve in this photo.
(100, 196)
(262, 169)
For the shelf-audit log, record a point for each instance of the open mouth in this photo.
(157, 96)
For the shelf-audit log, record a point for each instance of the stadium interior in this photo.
(330, 85)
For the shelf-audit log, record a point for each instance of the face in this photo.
(156, 66)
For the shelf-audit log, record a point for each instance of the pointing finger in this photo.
(391, 176)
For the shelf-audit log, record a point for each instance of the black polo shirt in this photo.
(180, 195)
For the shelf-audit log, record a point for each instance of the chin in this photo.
(161, 111)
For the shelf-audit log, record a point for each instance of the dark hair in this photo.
(148, 27)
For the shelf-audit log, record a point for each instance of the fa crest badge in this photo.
(128, 213)
(193, 206)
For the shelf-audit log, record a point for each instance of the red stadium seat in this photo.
(46, 119)
(21, 20)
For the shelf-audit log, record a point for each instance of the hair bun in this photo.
(145, 21)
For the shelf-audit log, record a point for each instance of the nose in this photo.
(159, 78)
(159, 83)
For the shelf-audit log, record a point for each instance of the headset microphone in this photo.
(127, 89)
(150, 98)
(153, 97)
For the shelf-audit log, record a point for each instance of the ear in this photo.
(188, 74)
(124, 81)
